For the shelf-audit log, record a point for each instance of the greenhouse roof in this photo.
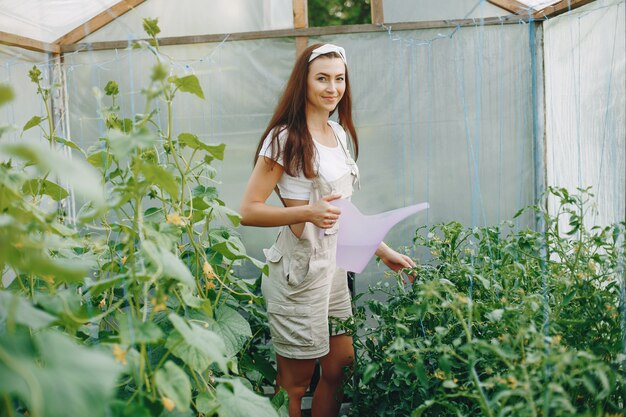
(49, 25)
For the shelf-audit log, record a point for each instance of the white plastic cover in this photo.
(14, 66)
(48, 20)
(199, 17)
(585, 74)
(426, 10)
(538, 4)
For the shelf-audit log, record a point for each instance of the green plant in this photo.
(136, 309)
(500, 322)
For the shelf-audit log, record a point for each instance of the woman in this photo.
(305, 156)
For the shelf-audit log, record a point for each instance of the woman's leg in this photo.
(329, 392)
(294, 375)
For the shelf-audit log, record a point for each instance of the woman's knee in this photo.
(296, 392)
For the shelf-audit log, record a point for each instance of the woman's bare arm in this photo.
(255, 212)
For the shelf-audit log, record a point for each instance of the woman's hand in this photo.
(394, 260)
(323, 214)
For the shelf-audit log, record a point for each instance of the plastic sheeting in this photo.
(47, 20)
(14, 66)
(426, 10)
(199, 17)
(585, 70)
(443, 120)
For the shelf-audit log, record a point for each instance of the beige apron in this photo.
(304, 286)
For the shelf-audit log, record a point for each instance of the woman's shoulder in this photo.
(339, 130)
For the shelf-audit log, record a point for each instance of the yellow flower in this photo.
(103, 303)
(210, 285)
(158, 306)
(124, 258)
(463, 299)
(512, 382)
(174, 218)
(168, 403)
(208, 271)
(120, 354)
(48, 278)
(440, 375)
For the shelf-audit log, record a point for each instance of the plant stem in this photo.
(482, 399)
(7, 405)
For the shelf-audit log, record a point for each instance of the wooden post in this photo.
(300, 21)
(378, 14)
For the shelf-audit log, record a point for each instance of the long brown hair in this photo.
(299, 151)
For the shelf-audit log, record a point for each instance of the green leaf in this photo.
(196, 346)
(6, 94)
(134, 331)
(160, 176)
(69, 144)
(40, 263)
(124, 144)
(55, 376)
(420, 410)
(495, 315)
(159, 72)
(167, 263)
(34, 74)
(111, 88)
(370, 372)
(239, 401)
(16, 309)
(191, 140)
(123, 409)
(232, 327)
(100, 159)
(280, 402)
(34, 121)
(173, 383)
(83, 178)
(151, 27)
(206, 404)
(96, 288)
(188, 84)
(44, 187)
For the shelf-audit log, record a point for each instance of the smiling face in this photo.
(326, 84)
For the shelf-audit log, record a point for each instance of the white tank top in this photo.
(330, 163)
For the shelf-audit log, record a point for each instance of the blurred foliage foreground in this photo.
(135, 309)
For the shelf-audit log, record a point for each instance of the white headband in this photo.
(326, 49)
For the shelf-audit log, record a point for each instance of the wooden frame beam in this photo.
(305, 32)
(98, 21)
(301, 21)
(512, 6)
(561, 7)
(28, 43)
(378, 14)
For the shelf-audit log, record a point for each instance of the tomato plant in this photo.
(500, 322)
